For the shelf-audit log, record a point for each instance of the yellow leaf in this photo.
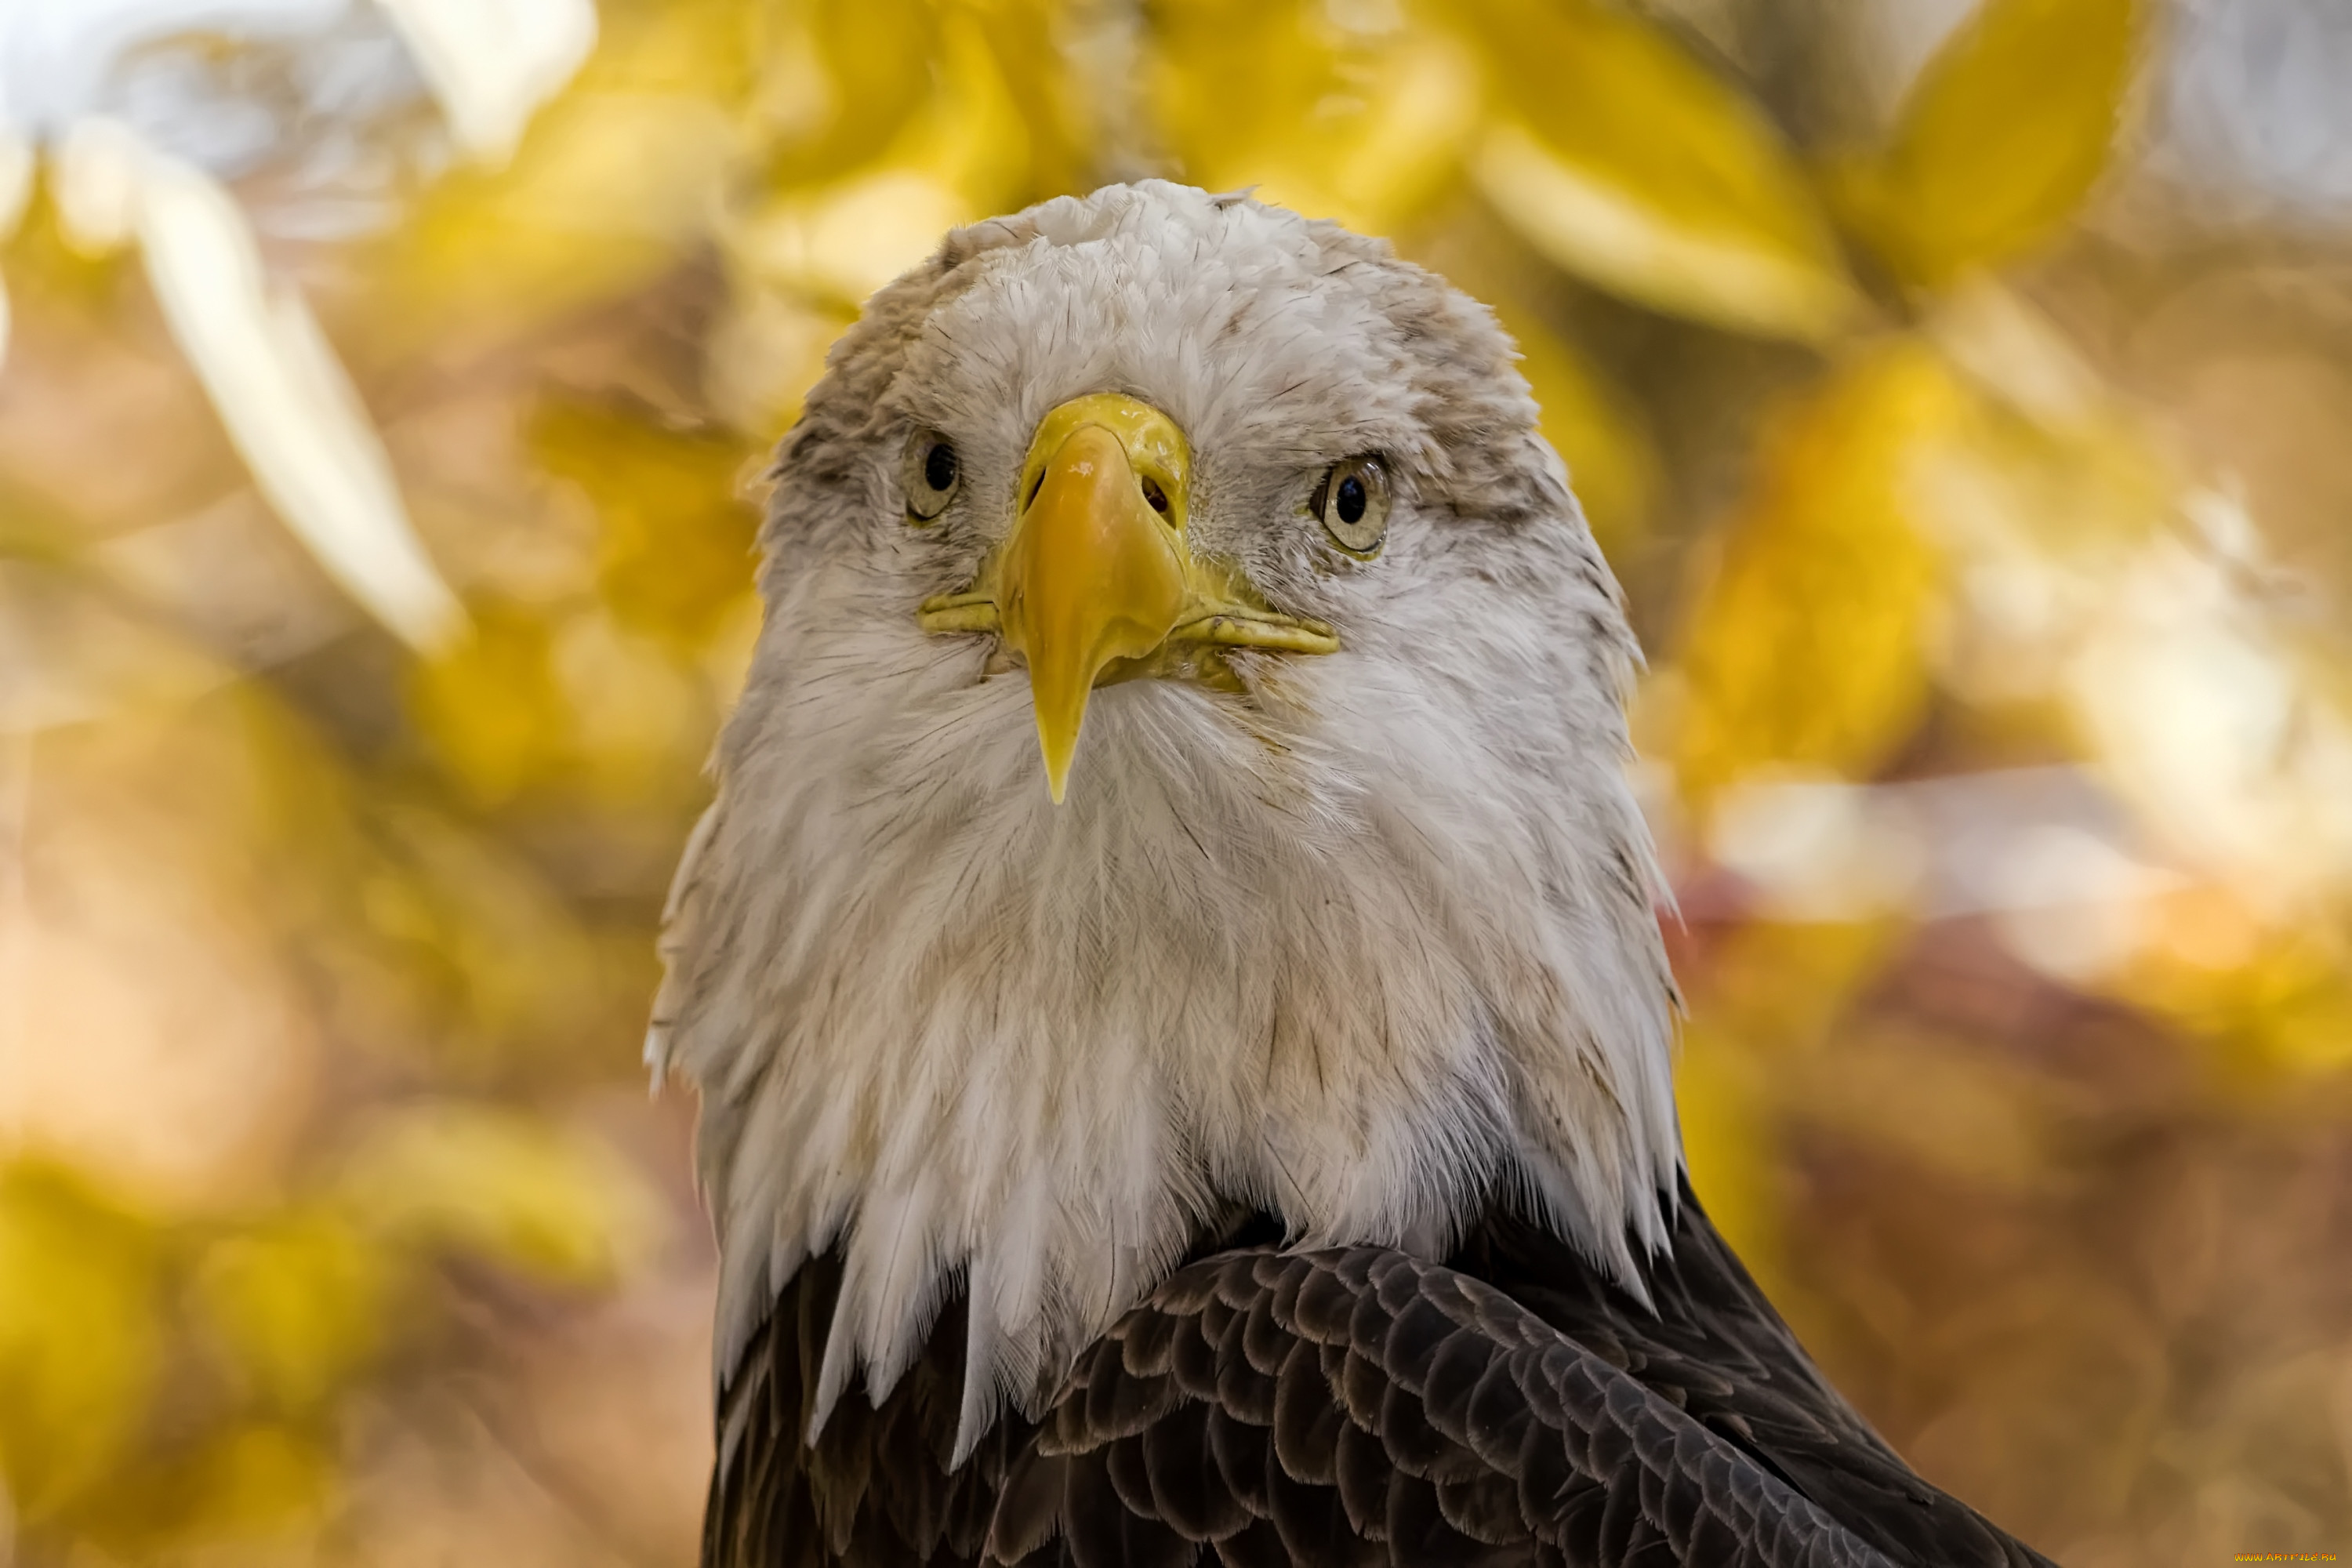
(81, 1335)
(490, 707)
(298, 1305)
(54, 276)
(675, 551)
(1998, 141)
(252, 1479)
(534, 1196)
(2268, 1000)
(1610, 461)
(1625, 162)
(607, 191)
(1763, 1000)
(1805, 646)
(842, 242)
(643, 715)
(614, 182)
(1731, 1143)
(1051, 90)
(764, 351)
(573, 704)
(515, 972)
(1357, 123)
(234, 1485)
(839, 79)
(17, 161)
(961, 155)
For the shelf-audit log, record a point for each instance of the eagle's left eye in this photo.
(1353, 503)
(930, 473)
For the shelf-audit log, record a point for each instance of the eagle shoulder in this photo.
(1359, 1405)
(1353, 1405)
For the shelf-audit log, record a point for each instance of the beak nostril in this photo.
(1034, 486)
(1154, 496)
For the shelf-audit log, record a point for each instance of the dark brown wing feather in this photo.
(1715, 1347)
(876, 1488)
(1352, 1406)
(1374, 1409)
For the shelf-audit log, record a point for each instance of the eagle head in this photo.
(1181, 773)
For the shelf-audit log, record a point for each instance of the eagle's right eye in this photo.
(932, 473)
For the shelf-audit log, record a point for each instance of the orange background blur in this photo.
(1962, 390)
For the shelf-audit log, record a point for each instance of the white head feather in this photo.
(1368, 945)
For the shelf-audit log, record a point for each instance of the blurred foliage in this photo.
(1997, 730)
(2000, 139)
(1828, 479)
(1625, 161)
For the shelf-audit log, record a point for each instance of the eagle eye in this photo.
(1352, 502)
(932, 473)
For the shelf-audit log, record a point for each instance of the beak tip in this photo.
(1061, 714)
(1057, 771)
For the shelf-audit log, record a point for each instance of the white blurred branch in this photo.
(289, 407)
(492, 63)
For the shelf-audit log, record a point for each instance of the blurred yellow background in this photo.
(1962, 390)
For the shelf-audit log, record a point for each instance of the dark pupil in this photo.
(939, 467)
(1351, 500)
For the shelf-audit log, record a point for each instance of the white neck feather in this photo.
(961, 1034)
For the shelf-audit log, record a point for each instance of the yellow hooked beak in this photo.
(1096, 581)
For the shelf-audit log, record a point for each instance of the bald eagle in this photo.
(1250, 1135)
